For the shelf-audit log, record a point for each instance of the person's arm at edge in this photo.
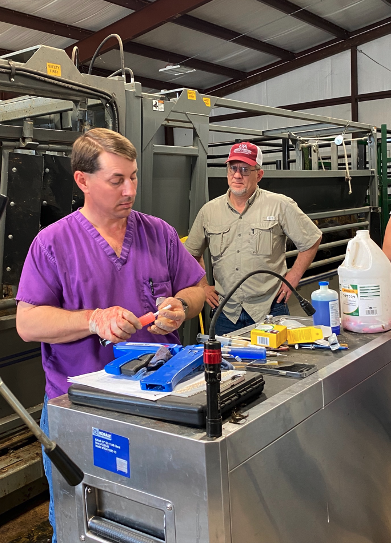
(49, 324)
(212, 296)
(303, 260)
(387, 241)
(194, 297)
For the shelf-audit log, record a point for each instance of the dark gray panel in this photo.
(312, 194)
(21, 370)
(57, 189)
(23, 212)
(318, 193)
(171, 187)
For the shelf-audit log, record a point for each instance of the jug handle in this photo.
(350, 255)
(350, 252)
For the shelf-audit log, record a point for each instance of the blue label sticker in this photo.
(111, 452)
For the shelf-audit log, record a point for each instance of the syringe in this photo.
(144, 319)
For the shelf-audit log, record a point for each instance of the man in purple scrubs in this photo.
(94, 272)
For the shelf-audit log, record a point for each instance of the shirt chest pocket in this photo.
(154, 290)
(262, 235)
(219, 239)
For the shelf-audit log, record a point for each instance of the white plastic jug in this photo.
(365, 286)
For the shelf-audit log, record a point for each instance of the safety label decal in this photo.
(111, 452)
(158, 105)
(53, 69)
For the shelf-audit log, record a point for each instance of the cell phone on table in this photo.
(297, 371)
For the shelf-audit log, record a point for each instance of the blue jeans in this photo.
(47, 466)
(225, 326)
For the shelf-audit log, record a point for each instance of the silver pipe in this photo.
(53, 147)
(25, 416)
(345, 226)
(339, 212)
(326, 261)
(7, 303)
(323, 246)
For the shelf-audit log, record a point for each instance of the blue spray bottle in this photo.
(326, 303)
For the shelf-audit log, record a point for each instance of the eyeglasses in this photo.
(243, 170)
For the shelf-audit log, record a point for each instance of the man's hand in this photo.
(212, 296)
(285, 292)
(301, 264)
(169, 320)
(114, 323)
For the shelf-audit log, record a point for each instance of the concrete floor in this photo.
(27, 523)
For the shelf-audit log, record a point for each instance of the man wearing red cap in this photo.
(246, 230)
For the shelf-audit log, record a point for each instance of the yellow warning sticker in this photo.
(207, 101)
(53, 69)
(191, 94)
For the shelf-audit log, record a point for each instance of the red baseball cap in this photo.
(246, 152)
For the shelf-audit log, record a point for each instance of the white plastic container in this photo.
(325, 301)
(365, 286)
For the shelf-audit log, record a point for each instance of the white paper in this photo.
(120, 384)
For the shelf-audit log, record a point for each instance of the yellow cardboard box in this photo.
(307, 334)
(269, 335)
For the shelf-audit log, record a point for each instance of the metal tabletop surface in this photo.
(278, 390)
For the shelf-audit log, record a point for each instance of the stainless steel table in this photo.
(311, 463)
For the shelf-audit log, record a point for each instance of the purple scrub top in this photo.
(70, 265)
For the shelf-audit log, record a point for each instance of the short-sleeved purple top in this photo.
(70, 265)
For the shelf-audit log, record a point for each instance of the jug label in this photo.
(361, 300)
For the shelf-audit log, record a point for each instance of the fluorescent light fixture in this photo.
(176, 69)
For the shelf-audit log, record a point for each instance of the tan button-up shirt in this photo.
(240, 243)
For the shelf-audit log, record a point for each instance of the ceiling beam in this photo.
(354, 84)
(169, 57)
(216, 31)
(46, 25)
(304, 58)
(293, 107)
(135, 5)
(327, 102)
(24, 20)
(306, 16)
(229, 35)
(134, 25)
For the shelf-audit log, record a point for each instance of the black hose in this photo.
(121, 52)
(75, 56)
(126, 70)
(305, 304)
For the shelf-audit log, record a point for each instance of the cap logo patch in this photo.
(243, 149)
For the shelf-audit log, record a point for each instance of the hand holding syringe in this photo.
(144, 320)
